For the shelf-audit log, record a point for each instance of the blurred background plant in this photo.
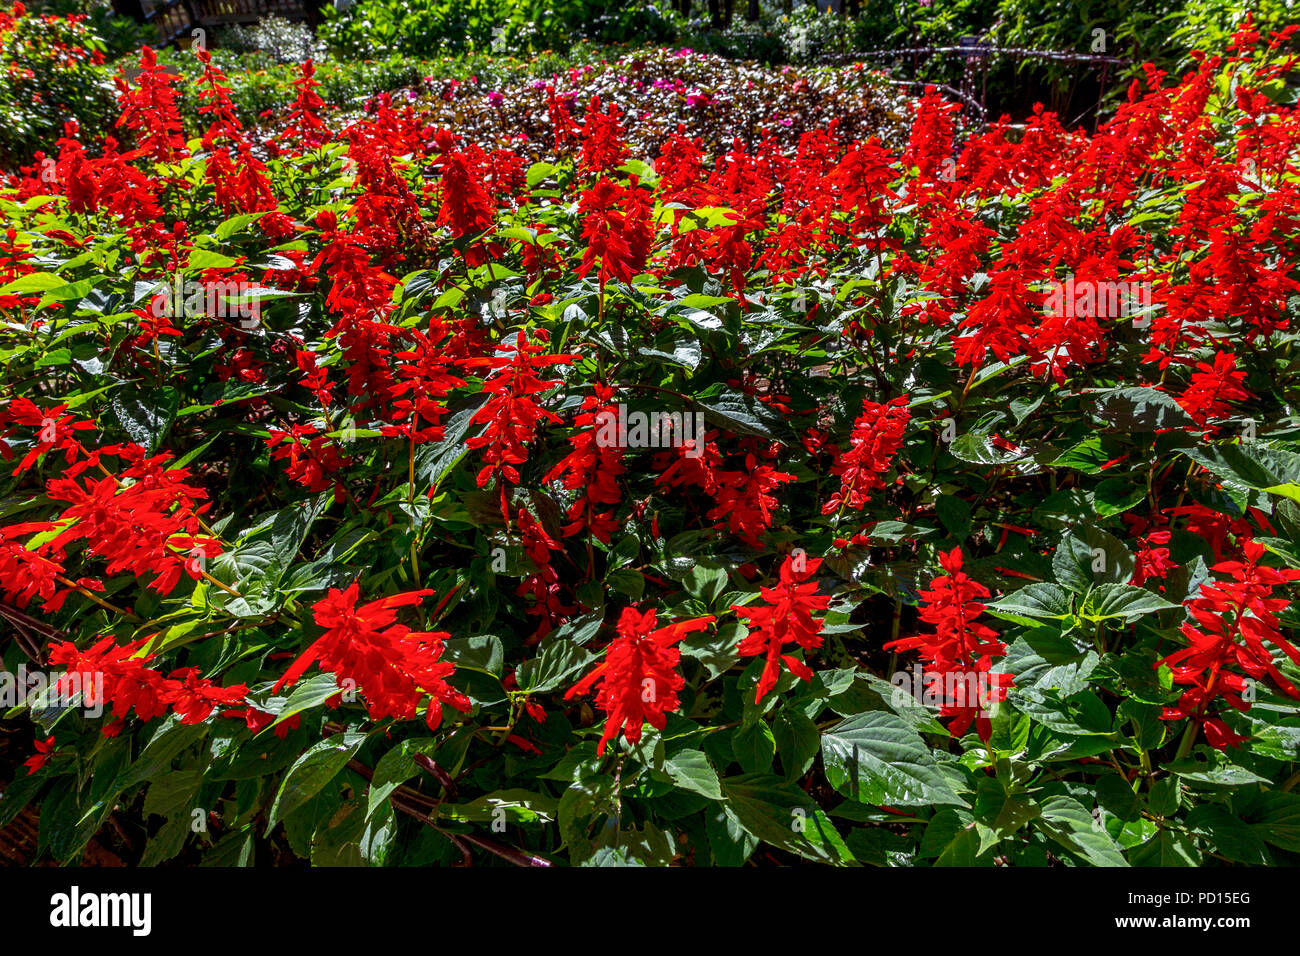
(52, 73)
(281, 40)
(364, 47)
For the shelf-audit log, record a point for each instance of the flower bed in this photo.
(380, 495)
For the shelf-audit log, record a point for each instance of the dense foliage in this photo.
(1163, 32)
(50, 75)
(338, 489)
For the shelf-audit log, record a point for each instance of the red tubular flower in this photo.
(144, 522)
(638, 678)
(1211, 387)
(425, 381)
(787, 619)
(194, 699)
(961, 650)
(25, 574)
(44, 748)
(1233, 620)
(603, 148)
(743, 500)
(544, 585)
(877, 436)
(305, 124)
(259, 720)
(616, 228)
(510, 413)
(593, 468)
(467, 205)
(314, 460)
(113, 675)
(55, 430)
(149, 110)
(394, 667)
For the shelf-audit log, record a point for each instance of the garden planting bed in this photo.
(671, 462)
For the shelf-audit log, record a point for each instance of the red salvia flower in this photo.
(1231, 622)
(743, 500)
(594, 468)
(1211, 387)
(786, 619)
(603, 148)
(397, 669)
(511, 415)
(961, 651)
(638, 678)
(44, 749)
(149, 110)
(616, 229)
(877, 436)
(305, 124)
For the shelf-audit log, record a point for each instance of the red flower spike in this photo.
(638, 678)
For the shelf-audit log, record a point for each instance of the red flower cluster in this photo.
(877, 436)
(786, 619)
(1212, 386)
(960, 651)
(638, 678)
(314, 458)
(145, 521)
(616, 229)
(118, 677)
(149, 110)
(592, 467)
(1233, 621)
(397, 669)
(511, 414)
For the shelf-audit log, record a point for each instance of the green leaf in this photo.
(1251, 466)
(691, 770)
(698, 300)
(1047, 660)
(1116, 495)
(311, 772)
(171, 796)
(483, 653)
(155, 760)
(754, 747)
(1138, 409)
(746, 415)
(33, 282)
(146, 416)
(1069, 823)
(1040, 600)
(1279, 823)
(1123, 600)
(559, 661)
(877, 758)
(1166, 848)
(784, 816)
(797, 742)
(729, 841)
(306, 695)
(395, 768)
(515, 805)
(1089, 556)
(201, 259)
(1228, 834)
